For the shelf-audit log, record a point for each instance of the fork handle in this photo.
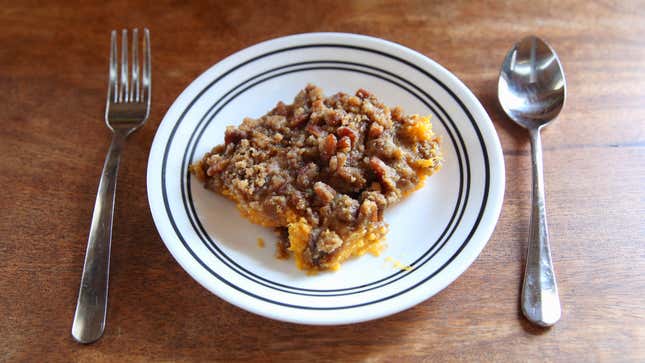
(540, 301)
(91, 307)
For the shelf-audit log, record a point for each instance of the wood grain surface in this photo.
(53, 70)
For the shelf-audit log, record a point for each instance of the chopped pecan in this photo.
(368, 211)
(344, 144)
(386, 174)
(299, 119)
(314, 129)
(333, 118)
(327, 146)
(346, 208)
(397, 114)
(352, 176)
(324, 192)
(375, 131)
(362, 93)
(337, 161)
(232, 135)
(307, 174)
(346, 131)
(280, 109)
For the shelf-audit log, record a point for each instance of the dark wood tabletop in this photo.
(53, 70)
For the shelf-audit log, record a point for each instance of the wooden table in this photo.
(53, 68)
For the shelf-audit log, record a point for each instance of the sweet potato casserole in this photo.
(322, 171)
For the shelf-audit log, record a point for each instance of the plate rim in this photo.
(462, 94)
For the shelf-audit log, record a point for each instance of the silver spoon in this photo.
(532, 91)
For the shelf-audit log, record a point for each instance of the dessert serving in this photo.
(322, 171)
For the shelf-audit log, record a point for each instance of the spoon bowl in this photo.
(532, 89)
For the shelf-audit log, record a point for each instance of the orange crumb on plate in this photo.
(398, 264)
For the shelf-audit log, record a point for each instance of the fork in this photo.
(127, 108)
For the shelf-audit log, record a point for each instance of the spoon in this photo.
(532, 91)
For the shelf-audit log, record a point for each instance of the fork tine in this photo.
(134, 87)
(113, 86)
(123, 94)
(146, 82)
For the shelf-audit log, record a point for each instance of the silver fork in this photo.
(127, 109)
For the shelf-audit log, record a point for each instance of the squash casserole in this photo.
(322, 171)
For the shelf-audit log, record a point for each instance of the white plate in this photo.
(439, 230)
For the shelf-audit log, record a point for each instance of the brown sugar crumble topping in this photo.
(321, 171)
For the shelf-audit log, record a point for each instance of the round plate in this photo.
(438, 231)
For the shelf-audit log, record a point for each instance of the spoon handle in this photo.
(540, 301)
